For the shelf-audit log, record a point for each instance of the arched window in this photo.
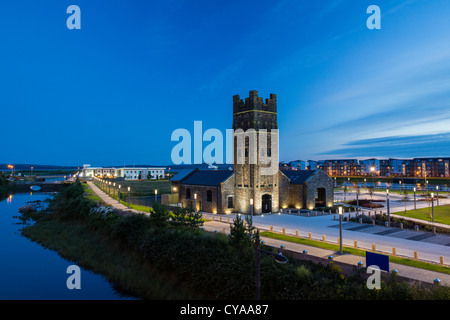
(209, 196)
(188, 193)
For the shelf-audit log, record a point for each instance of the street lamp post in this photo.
(388, 208)
(251, 212)
(156, 195)
(129, 197)
(114, 190)
(432, 212)
(277, 256)
(195, 199)
(415, 198)
(437, 195)
(340, 230)
(118, 193)
(357, 201)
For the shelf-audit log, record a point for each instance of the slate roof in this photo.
(299, 176)
(183, 173)
(207, 177)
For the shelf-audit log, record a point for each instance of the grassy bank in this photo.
(168, 251)
(96, 251)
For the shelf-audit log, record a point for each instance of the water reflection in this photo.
(29, 271)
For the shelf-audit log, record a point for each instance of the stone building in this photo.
(255, 176)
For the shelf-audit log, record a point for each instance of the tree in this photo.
(240, 234)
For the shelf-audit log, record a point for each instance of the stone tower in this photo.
(255, 152)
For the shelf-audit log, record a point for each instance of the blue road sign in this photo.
(376, 259)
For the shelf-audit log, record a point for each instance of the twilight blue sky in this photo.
(114, 91)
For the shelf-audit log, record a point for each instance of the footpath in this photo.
(412, 273)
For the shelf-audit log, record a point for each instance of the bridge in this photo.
(45, 186)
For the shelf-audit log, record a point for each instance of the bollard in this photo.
(212, 218)
(373, 222)
(206, 216)
(296, 233)
(220, 219)
(401, 225)
(393, 252)
(228, 220)
(338, 240)
(284, 231)
(323, 212)
(360, 220)
(441, 259)
(323, 238)
(373, 247)
(309, 236)
(329, 211)
(355, 243)
(415, 255)
(271, 228)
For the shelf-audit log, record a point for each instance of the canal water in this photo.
(28, 271)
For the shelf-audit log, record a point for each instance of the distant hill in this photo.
(27, 166)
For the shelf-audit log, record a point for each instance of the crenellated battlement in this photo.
(254, 102)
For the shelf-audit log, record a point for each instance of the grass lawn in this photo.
(142, 188)
(90, 194)
(441, 214)
(354, 251)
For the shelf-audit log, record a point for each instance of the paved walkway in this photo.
(405, 271)
(110, 201)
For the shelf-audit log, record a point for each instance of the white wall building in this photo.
(128, 173)
(140, 173)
